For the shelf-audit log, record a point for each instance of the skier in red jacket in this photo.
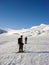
(20, 42)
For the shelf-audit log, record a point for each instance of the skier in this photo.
(20, 42)
(25, 40)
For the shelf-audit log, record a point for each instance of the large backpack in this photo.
(19, 40)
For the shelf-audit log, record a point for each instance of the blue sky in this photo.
(23, 13)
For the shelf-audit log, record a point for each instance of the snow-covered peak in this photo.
(39, 27)
(43, 25)
(33, 27)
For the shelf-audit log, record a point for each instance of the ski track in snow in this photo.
(25, 59)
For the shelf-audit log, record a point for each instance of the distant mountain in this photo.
(2, 31)
(42, 29)
(8, 31)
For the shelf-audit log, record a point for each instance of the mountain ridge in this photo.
(35, 30)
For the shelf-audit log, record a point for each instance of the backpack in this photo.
(19, 40)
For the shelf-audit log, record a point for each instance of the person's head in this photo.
(21, 36)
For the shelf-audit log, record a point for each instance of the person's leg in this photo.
(19, 48)
(22, 48)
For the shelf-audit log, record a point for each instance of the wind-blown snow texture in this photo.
(36, 49)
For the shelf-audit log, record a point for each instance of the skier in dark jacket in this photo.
(20, 42)
(25, 40)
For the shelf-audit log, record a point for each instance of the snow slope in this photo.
(36, 49)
